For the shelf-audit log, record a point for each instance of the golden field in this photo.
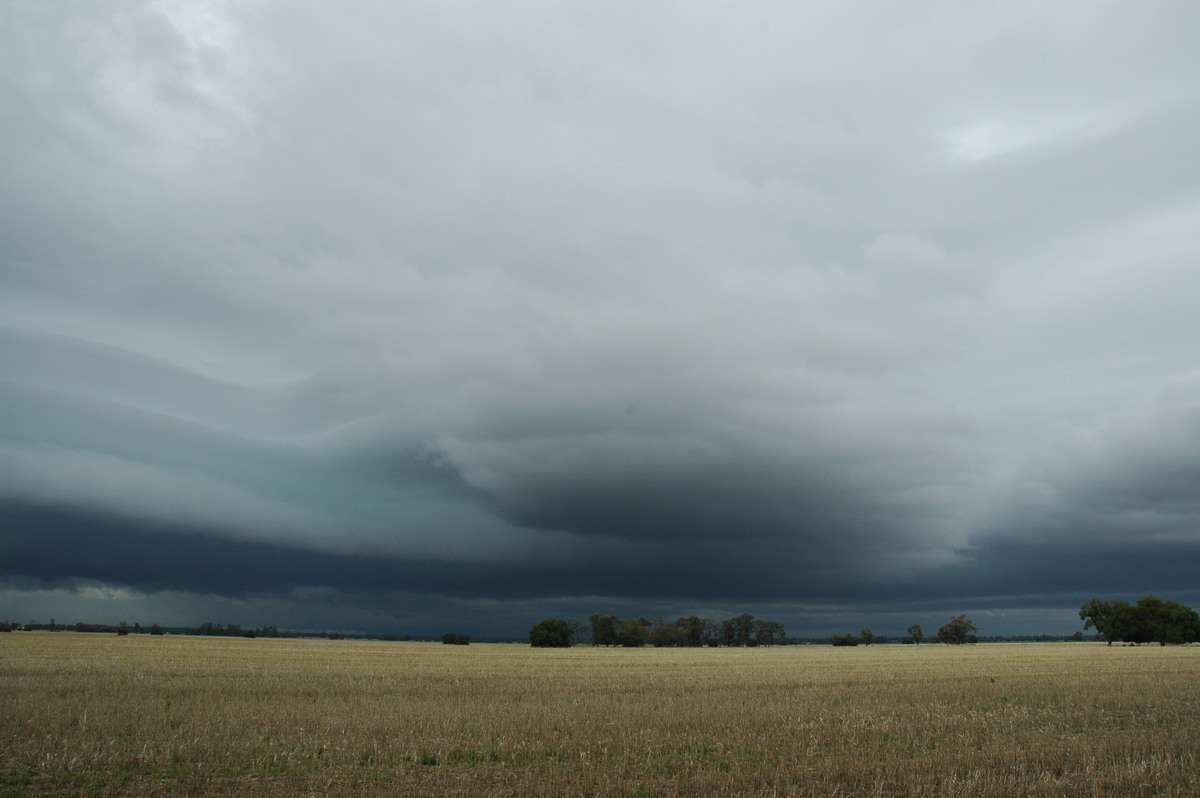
(139, 715)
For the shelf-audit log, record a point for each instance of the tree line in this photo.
(1149, 620)
(210, 629)
(959, 630)
(689, 631)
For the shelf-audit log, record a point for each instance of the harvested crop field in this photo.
(141, 715)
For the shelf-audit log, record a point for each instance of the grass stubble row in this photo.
(140, 715)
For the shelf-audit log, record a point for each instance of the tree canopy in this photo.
(690, 630)
(552, 633)
(1150, 620)
(960, 630)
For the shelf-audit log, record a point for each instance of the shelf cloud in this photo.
(404, 317)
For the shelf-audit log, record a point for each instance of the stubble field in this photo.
(141, 715)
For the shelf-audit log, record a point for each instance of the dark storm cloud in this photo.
(492, 311)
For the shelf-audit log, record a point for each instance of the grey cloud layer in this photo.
(569, 300)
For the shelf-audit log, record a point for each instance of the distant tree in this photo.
(156, 630)
(665, 635)
(552, 633)
(633, 633)
(122, 628)
(604, 629)
(455, 639)
(845, 640)
(866, 635)
(694, 631)
(710, 632)
(960, 630)
(739, 631)
(689, 630)
(769, 633)
(915, 635)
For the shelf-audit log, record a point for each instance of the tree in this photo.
(770, 633)
(456, 639)
(1164, 622)
(694, 631)
(604, 629)
(866, 635)
(739, 631)
(665, 635)
(1181, 624)
(845, 640)
(552, 633)
(915, 634)
(1151, 620)
(632, 633)
(960, 630)
(1111, 619)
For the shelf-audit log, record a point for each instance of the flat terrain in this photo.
(140, 715)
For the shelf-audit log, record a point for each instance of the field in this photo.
(140, 715)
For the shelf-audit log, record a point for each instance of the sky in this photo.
(425, 316)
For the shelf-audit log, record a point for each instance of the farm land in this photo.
(90, 714)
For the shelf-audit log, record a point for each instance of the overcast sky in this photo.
(431, 316)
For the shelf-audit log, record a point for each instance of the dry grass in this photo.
(101, 714)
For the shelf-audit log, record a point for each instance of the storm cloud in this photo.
(407, 315)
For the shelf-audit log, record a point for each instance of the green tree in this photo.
(632, 633)
(1112, 620)
(604, 629)
(694, 631)
(739, 631)
(1182, 624)
(552, 633)
(770, 633)
(665, 635)
(867, 636)
(960, 630)
(1165, 622)
(845, 640)
(1151, 620)
(915, 634)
